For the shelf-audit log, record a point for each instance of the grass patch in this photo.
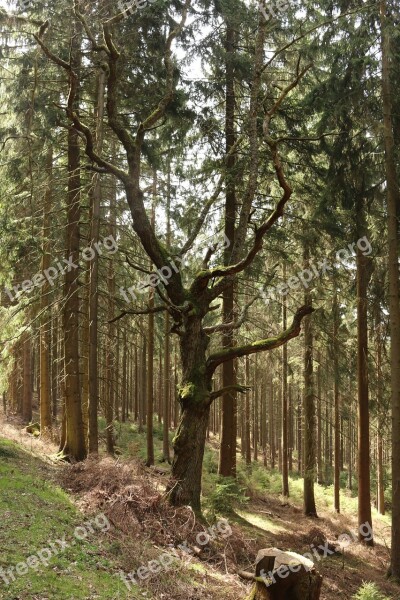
(35, 513)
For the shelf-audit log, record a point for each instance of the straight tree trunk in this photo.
(272, 425)
(380, 475)
(167, 334)
(290, 425)
(393, 202)
(320, 477)
(136, 358)
(247, 413)
(255, 411)
(27, 378)
(75, 446)
(117, 404)
(167, 384)
(95, 196)
(56, 349)
(350, 474)
(326, 445)
(45, 326)
(263, 421)
(364, 482)
(299, 437)
(336, 400)
(227, 459)
(124, 398)
(111, 356)
(309, 408)
(143, 387)
(150, 361)
(285, 473)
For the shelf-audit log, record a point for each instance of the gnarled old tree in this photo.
(188, 304)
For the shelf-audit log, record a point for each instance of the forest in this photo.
(199, 299)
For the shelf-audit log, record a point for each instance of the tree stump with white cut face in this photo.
(285, 576)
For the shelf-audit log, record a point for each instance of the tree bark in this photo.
(111, 364)
(320, 477)
(364, 482)
(285, 473)
(45, 326)
(227, 459)
(309, 408)
(75, 446)
(167, 334)
(95, 198)
(194, 399)
(27, 378)
(247, 414)
(393, 201)
(150, 361)
(335, 348)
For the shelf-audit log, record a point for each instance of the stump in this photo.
(285, 576)
(33, 429)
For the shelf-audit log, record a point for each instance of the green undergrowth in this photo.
(369, 591)
(221, 496)
(131, 443)
(34, 513)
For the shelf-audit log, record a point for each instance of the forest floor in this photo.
(42, 500)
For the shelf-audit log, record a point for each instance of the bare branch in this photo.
(95, 46)
(291, 332)
(261, 231)
(147, 311)
(169, 65)
(241, 389)
(232, 324)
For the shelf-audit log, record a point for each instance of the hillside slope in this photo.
(112, 522)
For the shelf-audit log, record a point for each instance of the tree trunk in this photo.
(320, 477)
(380, 476)
(309, 409)
(393, 201)
(290, 426)
(75, 447)
(27, 378)
(194, 399)
(150, 361)
(285, 473)
(255, 410)
(335, 349)
(364, 484)
(45, 326)
(272, 424)
(143, 386)
(227, 459)
(124, 398)
(95, 198)
(247, 414)
(111, 355)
